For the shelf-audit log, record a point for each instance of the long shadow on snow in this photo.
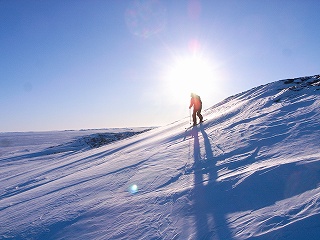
(213, 201)
(208, 201)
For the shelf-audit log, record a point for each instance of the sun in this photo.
(189, 74)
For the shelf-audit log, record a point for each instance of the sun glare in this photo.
(189, 74)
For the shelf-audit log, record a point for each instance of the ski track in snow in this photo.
(250, 171)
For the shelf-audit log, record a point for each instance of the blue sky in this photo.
(101, 64)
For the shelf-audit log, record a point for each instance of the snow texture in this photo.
(252, 170)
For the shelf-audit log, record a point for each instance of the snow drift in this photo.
(252, 170)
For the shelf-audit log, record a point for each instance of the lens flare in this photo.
(145, 18)
(133, 189)
(189, 74)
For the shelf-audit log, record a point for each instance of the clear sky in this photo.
(78, 64)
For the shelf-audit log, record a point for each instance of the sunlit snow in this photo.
(251, 170)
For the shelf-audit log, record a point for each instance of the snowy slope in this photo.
(18, 143)
(252, 170)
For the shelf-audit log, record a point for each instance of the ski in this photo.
(196, 124)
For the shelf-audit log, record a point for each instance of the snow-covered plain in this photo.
(251, 170)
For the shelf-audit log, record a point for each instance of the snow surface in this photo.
(251, 170)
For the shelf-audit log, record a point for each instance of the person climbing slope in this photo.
(196, 103)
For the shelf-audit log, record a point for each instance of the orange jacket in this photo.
(196, 103)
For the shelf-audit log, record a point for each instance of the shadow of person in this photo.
(209, 210)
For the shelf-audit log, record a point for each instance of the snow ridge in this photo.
(252, 170)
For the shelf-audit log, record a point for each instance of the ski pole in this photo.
(190, 115)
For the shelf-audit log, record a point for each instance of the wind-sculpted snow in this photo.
(251, 170)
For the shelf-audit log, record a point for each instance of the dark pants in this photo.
(196, 112)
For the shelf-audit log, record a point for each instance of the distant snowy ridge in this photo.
(250, 171)
(63, 141)
(94, 141)
(100, 139)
